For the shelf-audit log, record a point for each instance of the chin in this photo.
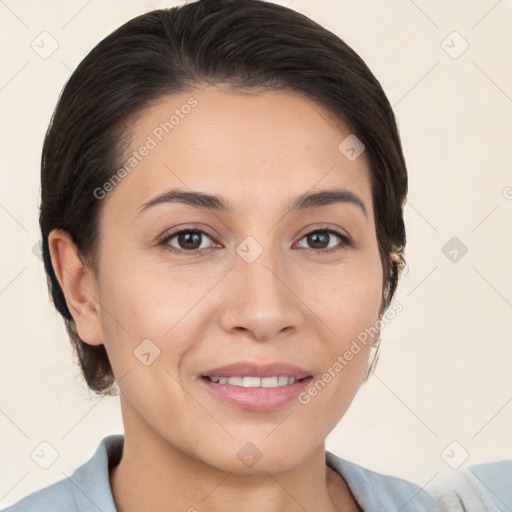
(260, 454)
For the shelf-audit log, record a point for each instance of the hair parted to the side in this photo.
(243, 43)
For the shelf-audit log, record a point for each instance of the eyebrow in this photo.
(215, 202)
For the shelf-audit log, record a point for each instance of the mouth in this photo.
(255, 387)
(250, 381)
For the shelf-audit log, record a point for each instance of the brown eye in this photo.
(186, 241)
(324, 240)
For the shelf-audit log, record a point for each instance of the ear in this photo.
(78, 283)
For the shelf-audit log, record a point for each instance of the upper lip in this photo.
(248, 368)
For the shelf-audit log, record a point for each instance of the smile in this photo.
(254, 382)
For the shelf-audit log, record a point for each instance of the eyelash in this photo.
(196, 252)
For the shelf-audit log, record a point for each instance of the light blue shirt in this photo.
(88, 488)
(483, 487)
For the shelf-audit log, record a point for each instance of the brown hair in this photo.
(244, 43)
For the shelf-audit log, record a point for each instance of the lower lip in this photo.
(257, 399)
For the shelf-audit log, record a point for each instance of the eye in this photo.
(194, 241)
(320, 240)
(186, 241)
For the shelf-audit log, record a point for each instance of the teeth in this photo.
(254, 382)
(248, 382)
(269, 382)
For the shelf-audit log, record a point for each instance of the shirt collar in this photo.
(91, 484)
(373, 491)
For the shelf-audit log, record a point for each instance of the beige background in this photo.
(444, 373)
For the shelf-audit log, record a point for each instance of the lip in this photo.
(257, 399)
(248, 368)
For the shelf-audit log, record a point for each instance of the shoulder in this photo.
(380, 492)
(57, 497)
(484, 486)
(495, 477)
(88, 486)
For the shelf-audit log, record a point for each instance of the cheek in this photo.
(153, 317)
(150, 302)
(346, 298)
(349, 309)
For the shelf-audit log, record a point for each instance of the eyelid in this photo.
(325, 227)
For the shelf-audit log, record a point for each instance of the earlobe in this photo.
(78, 283)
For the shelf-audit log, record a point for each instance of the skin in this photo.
(258, 151)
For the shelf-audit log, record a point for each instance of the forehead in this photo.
(254, 148)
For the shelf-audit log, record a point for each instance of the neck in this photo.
(154, 475)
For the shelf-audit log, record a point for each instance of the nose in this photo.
(260, 300)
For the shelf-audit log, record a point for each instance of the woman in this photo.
(222, 221)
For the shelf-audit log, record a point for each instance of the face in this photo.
(190, 285)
